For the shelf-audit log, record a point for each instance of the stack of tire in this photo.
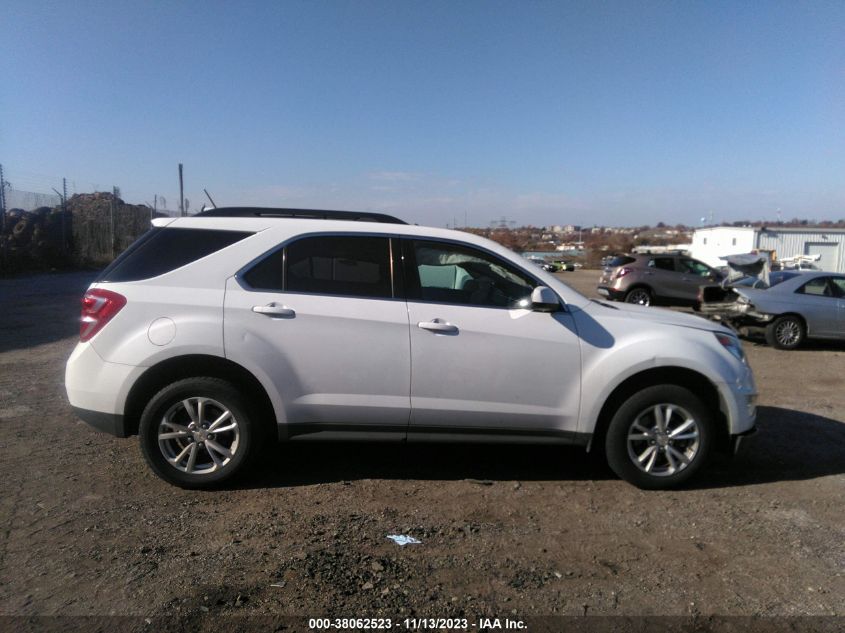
(31, 240)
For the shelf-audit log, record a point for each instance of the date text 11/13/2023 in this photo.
(416, 624)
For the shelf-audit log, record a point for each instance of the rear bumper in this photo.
(97, 389)
(610, 293)
(106, 422)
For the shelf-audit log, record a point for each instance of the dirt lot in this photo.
(517, 531)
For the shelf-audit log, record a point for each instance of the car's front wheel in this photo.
(659, 437)
(198, 432)
(786, 332)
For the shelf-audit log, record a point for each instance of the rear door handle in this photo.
(274, 310)
(438, 325)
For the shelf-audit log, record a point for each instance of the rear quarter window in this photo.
(162, 250)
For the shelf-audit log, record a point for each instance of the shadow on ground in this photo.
(318, 462)
(791, 446)
(39, 309)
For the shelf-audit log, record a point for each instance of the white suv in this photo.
(213, 333)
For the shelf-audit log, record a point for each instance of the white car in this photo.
(212, 334)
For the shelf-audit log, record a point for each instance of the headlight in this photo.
(732, 344)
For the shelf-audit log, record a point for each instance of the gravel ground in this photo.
(86, 529)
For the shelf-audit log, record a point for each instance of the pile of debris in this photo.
(104, 226)
(91, 231)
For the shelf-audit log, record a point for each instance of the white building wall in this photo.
(709, 244)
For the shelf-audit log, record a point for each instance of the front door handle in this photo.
(438, 325)
(275, 310)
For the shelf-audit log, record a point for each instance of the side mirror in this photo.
(544, 299)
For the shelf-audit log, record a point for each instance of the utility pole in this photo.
(64, 214)
(62, 198)
(113, 205)
(181, 193)
(3, 198)
(3, 213)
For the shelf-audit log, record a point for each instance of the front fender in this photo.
(604, 372)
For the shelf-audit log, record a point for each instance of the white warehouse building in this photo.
(709, 244)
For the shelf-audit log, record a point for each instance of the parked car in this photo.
(563, 266)
(215, 334)
(666, 278)
(793, 306)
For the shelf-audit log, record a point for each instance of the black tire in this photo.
(668, 467)
(786, 332)
(210, 468)
(639, 295)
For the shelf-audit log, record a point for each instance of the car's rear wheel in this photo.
(786, 332)
(641, 296)
(659, 437)
(198, 433)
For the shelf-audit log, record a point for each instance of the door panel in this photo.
(693, 275)
(828, 254)
(480, 359)
(320, 321)
(339, 360)
(502, 369)
(664, 279)
(820, 307)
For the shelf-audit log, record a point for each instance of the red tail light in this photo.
(98, 308)
(623, 271)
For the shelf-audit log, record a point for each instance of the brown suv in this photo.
(667, 278)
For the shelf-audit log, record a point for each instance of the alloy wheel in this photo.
(663, 440)
(788, 333)
(639, 296)
(198, 436)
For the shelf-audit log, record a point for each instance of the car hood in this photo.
(652, 315)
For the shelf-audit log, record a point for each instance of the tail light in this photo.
(98, 308)
(623, 271)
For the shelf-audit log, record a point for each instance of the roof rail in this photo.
(313, 214)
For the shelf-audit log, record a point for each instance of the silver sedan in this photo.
(796, 306)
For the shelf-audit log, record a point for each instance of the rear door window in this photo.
(662, 263)
(353, 266)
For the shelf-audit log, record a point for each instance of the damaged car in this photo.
(789, 306)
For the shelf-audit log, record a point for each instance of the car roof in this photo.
(316, 214)
(800, 277)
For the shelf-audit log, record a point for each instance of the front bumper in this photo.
(737, 439)
(739, 402)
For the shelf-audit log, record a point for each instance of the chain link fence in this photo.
(42, 231)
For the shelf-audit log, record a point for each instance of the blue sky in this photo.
(545, 112)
